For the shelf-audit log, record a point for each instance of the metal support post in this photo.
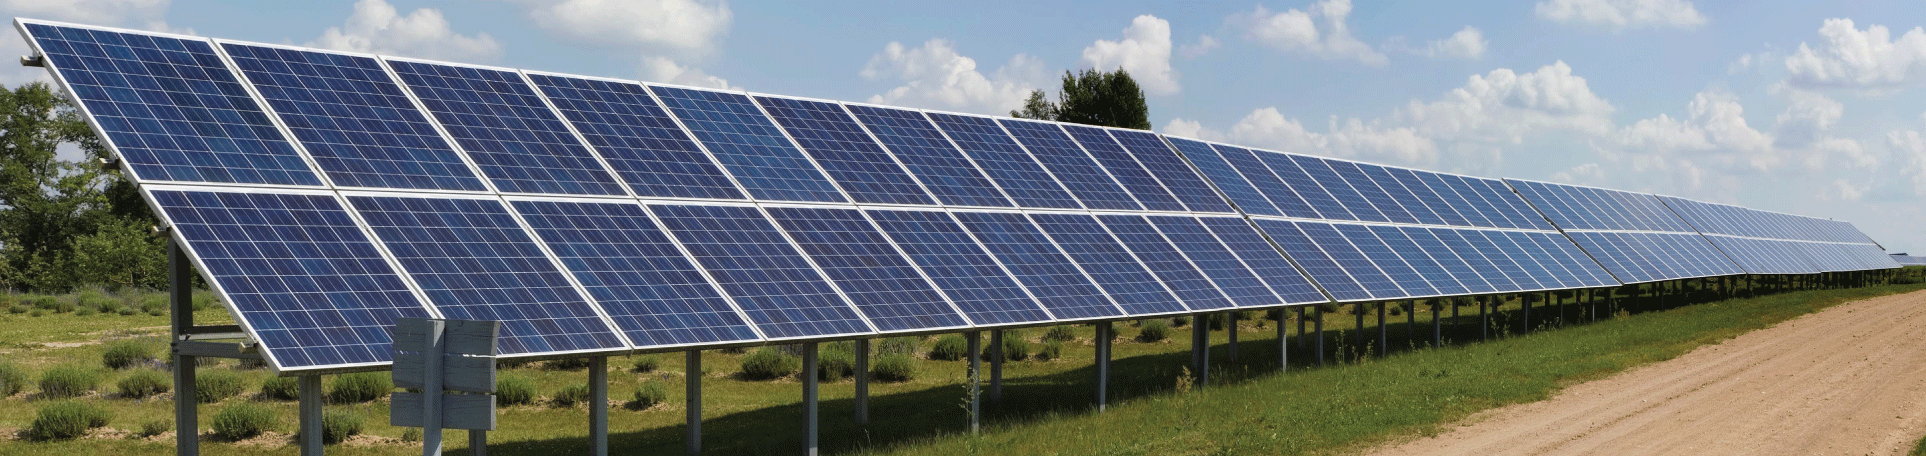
(1384, 339)
(1437, 325)
(1484, 317)
(1524, 300)
(996, 365)
(477, 443)
(310, 435)
(1410, 320)
(976, 380)
(809, 376)
(1230, 333)
(1320, 336)
(1103, 365)
(1283, 342)
(180, 292)
(1357, 332)
(862, 381)
(1200, 348)
(692, 395)
(599, 405)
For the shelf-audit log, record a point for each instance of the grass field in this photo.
(1046, 406)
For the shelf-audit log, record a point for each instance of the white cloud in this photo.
(1469, 44)
(1910, 150)
(687, 28)
(1297, 31)
(1713, 146)
(1869, 59)
(377, 27)
(1144, 51)
(1621, 14)
(663, 69)
(935, 76)
(1586, 174)
(1268, 128)
(1204, 44)
(1807, 118)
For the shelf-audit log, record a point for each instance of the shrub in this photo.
(1153, 331)
(571, 395)
(835, 363)
(153, 302)
(338, 425)
(567, 364)
(950, 347)
(894, 367)
(17, 309)
(1180, 320)
(1214, 321)
(125, 353)
(281, 388)
(68, 381)
(154, 427)
(54, 304)
(37, 313)
(1014, 347)
(144, 383)
(85, 312)
(361, 387)
(511, 363)
(204, 300)
(66, 420)
(514, 390)
(899, 345)
(215, 385)
(243, 421)
(648, 394)
(1060, 332)
(647, 364)
(411, 435)
(13, 378)
(129, 311)
(1051, 350)
(769, 363)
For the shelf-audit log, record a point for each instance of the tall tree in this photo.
(50, 205)
(1107, 98)
(1037, 107)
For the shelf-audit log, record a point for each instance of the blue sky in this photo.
(1812, 108)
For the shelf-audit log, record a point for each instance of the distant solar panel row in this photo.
(1909, 260)
(1774, 243)
(1634, 235)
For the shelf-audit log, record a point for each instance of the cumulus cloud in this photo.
(1586, 174)
(1204, 44)
(935, 76)
(1909, 149)
(1714, 143)
(664, 69)
(1469, 44)
(685, 28)
(377, 27)
(1144, 51)
(1869, 59)
(1621, 14)
(1298, 31)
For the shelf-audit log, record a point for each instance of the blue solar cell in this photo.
(476, 263)
(1307, 203)
(1108, 263)
(749, 145)
(1479, 260)
(1529, 251)
(506, 128)
(1394, 266)
(297, 270)
(1226, 178)
(653, 293)
(1354, 262)
(1170, 169)
(1529, 264)
(1521, 214)
(1372, 191)
(936, 162)
(771, 282)
(1457, 265)
(1163, 259)
(1502, 259)
(1039, 265)
(1216, 261)
(961, 268)
(170, 107)
(868, 269)
(1264, 259)
(864, 170)
(637, 138)
(1319, 265)
(1573, 258)
(1442, 185)
(1005, 161)
(1395, 191)
(1302, 185)
(353, 119)
(1325, 173)
(1618, 246)
(1430, 269)
(1547, 202)
(1126, 169)
(1477, 198)
(1430, 197)
(1070, 165)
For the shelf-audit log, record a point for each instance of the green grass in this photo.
(1919, 449)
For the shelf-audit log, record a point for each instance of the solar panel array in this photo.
(1634, 235)
(1909, 260)
(1767, 242)
(324, 194)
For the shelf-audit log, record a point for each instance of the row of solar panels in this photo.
(595, 215)
(1909, 260)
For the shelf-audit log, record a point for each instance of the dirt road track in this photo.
(1847, 380)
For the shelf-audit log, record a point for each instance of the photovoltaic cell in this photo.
(170, 107)
(771, 282)
(936, 162)
(1005, 161)
(297, 270)
(1396, 192)
(967, 274)
(1039, 265)
(1477, 260)
(868, 269)
(476, 263)
(1172, 171)
(637, 138)
(1352, 260)
(1164, 260)
(1107, 262)
(1442, 185)
(750, 145)
(507, 129)
(1070, 165)
(1243, 240)
(1394, 266)
(1295, 184)
(833, 138)
(1498, 257)
(1429, 196)
(1457, 265)
(1321, 171)
(1430, 269)
(653, 292)
(353, 119)
(1127, 170)
(1216, 261)
(1372, 192)
(1320, 266)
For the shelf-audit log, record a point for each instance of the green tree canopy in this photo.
(1092, 97)
(50, 206)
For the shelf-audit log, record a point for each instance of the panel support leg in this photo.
(809, 375)
(976, 380)
(996, 366)
(187, 429)
(310, 409)
(1484, 318)
(862, 381)
(599, 405)
(477, 443)
(1357, 332)
(1283, 342)
(1103, 365)
(1320, 336)
(1230, 334)
(1437, 325)
(1524, 300)
(1300, 328)
(692, 395)
(1410, 320)
(1384, 336)
(1200, 348)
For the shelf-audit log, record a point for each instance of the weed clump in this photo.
(514, 390)
(66, 420)
(68, 381)
(243, 421)
(648, 394)
(570, 395)
(568, 364)
(213, 386)
(1014, 347)
(338, 425)
(899, 345)
(125, 353)
(835, 362)
(361, 387)
(894, 367)
(153, 428)
(13, 378)
(1051, 350)
(769, 363)
(647, 364)
(950, 347)
(1153, 331)
(1062, 333)
(144, 383)
(281, 388)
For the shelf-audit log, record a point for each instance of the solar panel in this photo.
(941, 167)
(1322, 268)
(1353, 260)
(1395, 192)
(1216, 261)
(637, 137)
(1268, 183)
(868, 269)
(1458, 266)
(296, 269)
(1043, 269)
(1021, 177)
(507, 129)
(1264, 259)
(1126, 169)
(1442, 185)
(866, 172)
(1430, 197)
(361, 129)
(1431, 271)
(1217, 171)
(475, 262)
(974, 281)
(750, 145)
(651, 290)
(169, 107)
(1108, 263)
(1481, 261)
(1303, 187)
(1393, 265)
(1156, 253)
(773, 284)
(1323, 172)
(1171, 170)
(1641, 240)
(1070, 165)
(1372, 192)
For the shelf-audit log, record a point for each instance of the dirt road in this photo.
(1847, 380)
